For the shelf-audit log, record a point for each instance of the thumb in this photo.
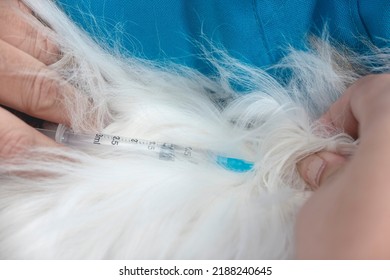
(317, 168)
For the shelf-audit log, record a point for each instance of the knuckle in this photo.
(43, 95)
(45, 50)
(14, 141)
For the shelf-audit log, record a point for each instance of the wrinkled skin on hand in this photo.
(27, 85)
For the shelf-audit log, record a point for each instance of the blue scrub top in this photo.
(255, 31)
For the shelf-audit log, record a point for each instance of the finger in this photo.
(16, 136)
(340, 116)
(21, 29)
(320, 167)
(364, 100)
(30, 87)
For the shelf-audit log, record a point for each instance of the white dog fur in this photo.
(103, 203)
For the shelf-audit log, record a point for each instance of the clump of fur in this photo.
(116, 204)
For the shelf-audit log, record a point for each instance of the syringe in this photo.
(164, 151)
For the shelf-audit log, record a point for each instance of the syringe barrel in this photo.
(164, 151)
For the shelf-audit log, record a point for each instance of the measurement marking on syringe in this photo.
(165, 151)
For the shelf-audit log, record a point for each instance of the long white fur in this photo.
(116, 204)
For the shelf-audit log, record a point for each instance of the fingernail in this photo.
(314, 170)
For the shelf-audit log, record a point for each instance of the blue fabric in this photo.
(375, 17)
(255, 31)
